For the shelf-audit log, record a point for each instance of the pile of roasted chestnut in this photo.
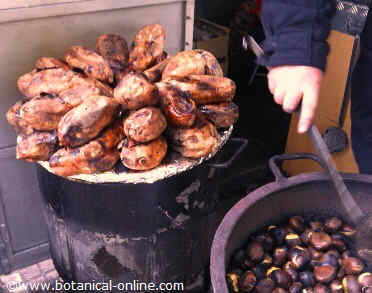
(300, 257)
(86, 112)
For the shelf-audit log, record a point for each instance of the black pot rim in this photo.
(224, 231)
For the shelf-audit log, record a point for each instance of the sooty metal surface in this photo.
(160, 232)
(308, 195)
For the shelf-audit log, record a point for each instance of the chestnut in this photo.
(316, 226)
(348, 231)
(338, 242)
(365, 279)
(247, 281)
(320, 240)
(267, 261)
(352, 265)
(292, 239)
(307, 279)
(266, 241)
(297, 223)
(336, 287)
(265, 286)
(333, 224)
(299, 256)
(296, 288)
(293, 273)
(255, 251)
(305, 236)
(325, 274)
(281, 278)
(340, 273)
(321, 288)
(271, 270)
(351, 285)
(280, 256)
(334, 252)
(278, 234)
(315, 254)
(289, 265)
(329, 259)
(233, 282)
(259, 271)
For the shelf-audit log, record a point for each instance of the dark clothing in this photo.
(296, 32)
(361, 102)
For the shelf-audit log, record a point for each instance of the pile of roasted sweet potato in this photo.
(86, 112)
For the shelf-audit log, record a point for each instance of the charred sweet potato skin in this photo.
(114, 49)
(148, 46)
(177, 106)
(86, 121)
(206, 89)
(44, 113)
(145, 124)
(37, 146)
(222, 115)
(134, 92)
(50, 63)
(195, 142)
(99, 155)
(146, 156)
(93, 64)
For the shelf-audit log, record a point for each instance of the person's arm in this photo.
(296, 51)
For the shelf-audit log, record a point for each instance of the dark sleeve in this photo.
(296, 32)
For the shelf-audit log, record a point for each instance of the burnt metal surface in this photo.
(123, 232)
(309, 195)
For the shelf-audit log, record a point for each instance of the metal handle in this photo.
(243, 144)
(274, 162)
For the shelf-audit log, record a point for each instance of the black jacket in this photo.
(296, 32)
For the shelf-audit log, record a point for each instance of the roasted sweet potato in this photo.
(145, 156)
(221, 115)
(50, 63)
(184, 64)
(154, 73)
(51, 81)
(90, 62)
(112, 135)
(114, 49)
(177, 106)
(145, 124)
(212, 66)
(148, 46)
(44, 113)
(37, 146)
(206, 89)
(82, 88)
(195, 142)
(192, 62)
(86, 121)
(134, 92)
(14, 119)
(87, 159)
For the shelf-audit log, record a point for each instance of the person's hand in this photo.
(295, 85)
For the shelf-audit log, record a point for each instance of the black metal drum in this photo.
(159, 232)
